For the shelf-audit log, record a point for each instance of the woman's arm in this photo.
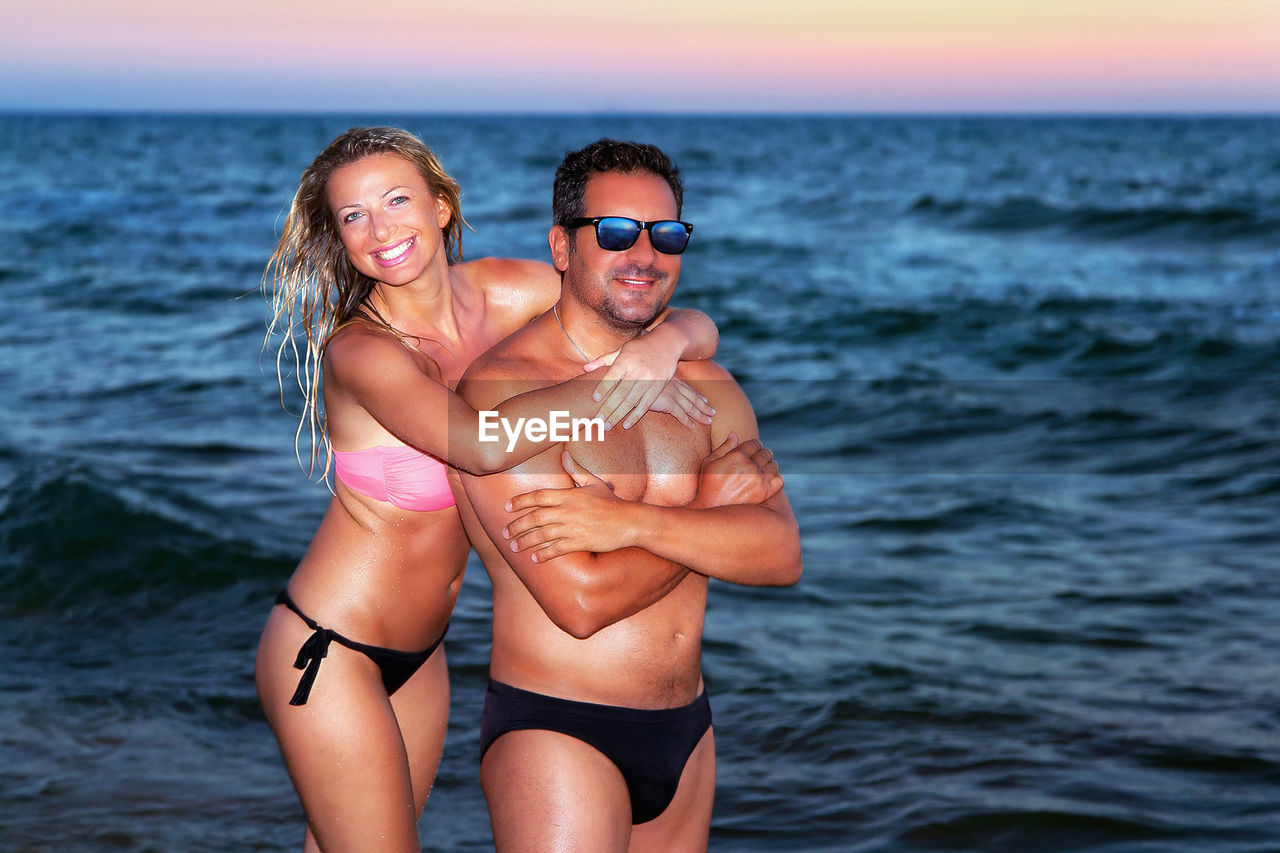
(377, 373)
(698, 332)
(636, 372)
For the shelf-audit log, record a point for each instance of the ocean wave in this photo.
(1031, 830)
(777, 250)
(1024, 213)
(516, 212)
(1018, 332)
(1115, 637)
(71, 540)
(965, 515)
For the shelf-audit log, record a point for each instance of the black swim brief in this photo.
(650, 748)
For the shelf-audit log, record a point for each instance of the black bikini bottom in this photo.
(396, 666)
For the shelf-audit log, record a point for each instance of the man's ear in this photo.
(558, 240)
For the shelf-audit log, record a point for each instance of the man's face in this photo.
(627, 289)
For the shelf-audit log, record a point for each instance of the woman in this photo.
(369, 292)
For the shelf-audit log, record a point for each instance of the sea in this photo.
(1021, 373)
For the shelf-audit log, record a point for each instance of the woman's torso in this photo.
(386, 563)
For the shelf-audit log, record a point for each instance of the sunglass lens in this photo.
(616, 233)
(669, 237)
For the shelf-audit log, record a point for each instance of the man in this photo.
(597, 732)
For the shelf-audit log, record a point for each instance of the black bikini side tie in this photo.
(314, 650)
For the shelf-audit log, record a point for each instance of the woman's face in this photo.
(389, 221)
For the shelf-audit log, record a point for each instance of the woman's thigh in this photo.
(343, 748)
(421, 707)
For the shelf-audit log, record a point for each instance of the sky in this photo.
(421, 56)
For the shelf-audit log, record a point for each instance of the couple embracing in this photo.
(596, 732)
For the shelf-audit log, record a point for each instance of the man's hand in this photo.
(554, 522)
(736, 473)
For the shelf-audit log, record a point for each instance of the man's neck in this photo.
(587, 334)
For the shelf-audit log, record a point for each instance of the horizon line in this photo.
(259, 112)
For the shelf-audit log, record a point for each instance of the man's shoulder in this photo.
(704, 370)
(734, 412)
(713, 380)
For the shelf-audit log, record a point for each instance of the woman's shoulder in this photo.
(361, 344)
(354, 337)
(364, 363)
(517, 280)
(492, 270)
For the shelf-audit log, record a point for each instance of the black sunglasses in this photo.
(617, 233)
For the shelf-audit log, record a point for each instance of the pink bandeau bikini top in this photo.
(398, 475)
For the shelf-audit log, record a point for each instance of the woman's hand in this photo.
(736, 473)
(554, 522)
(683, 402)
(639, 378)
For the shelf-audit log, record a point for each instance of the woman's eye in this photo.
(400, 199)
(351, 217)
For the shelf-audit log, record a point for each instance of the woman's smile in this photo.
(395, 254)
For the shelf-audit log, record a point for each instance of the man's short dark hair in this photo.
(608, 155)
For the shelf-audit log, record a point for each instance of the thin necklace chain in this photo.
(585, 357)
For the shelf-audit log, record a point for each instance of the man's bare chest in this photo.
(657, 460)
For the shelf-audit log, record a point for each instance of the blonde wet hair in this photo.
(310, 283)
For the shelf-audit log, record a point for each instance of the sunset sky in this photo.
(658, 55)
